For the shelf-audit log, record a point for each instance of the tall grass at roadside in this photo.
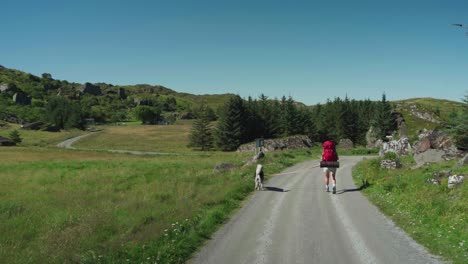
(433, 215)
(62, 206)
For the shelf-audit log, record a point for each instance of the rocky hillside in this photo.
(24, 89)
(416, 114)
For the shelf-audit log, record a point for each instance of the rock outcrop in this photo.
(346, 143)
(390, 164)
(293, 142)
(422, 115)
(89, 88)
(400, 147)
(6, 142)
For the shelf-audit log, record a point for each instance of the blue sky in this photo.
(310, 50)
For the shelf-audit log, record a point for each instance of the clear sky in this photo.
(310, 50)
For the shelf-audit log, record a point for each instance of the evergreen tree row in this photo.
(242, 121)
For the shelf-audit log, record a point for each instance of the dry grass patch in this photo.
(155, 138)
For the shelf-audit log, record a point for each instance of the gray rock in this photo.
(455, 180)
(223, 167)
(432, 139)
(390, 164)
(463, 161)
(6, 142)
(422, 115)
(21, 99)
(32, 126)
(187, 115)
(346, 143)
(89, 88)
(430, 156)
(400, 147)
(293, 142)
(3, 87)
(371, 138)
(433, 181)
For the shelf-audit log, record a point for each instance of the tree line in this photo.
(243, 120)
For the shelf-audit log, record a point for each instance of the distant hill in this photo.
(113, 103)
(41, 87)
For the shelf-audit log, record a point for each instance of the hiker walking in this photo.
(329, 154)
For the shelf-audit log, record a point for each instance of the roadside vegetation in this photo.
(434, 215)
(63, 206)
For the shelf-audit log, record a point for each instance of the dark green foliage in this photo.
(231, 129)
(201, 136)
(147, 114)
(15, 136)
(63, 112)
(383, 120)
(460, 126)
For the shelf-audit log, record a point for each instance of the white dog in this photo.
(259, 177)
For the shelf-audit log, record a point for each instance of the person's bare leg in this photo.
(327, 176)
(333, 181)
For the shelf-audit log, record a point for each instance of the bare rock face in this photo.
(422, 115)
(346, 143)
(294, 142)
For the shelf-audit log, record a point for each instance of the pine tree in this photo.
(383, 120)
(15, 136)
(231, 129)
(460, 130)
(201, 135)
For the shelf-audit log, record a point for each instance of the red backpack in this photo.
(329, 151)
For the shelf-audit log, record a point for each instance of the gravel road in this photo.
(295, 221)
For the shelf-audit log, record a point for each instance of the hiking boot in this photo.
(334, 189)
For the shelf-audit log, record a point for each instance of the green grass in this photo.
(434, 216)
(63, 206)
(439, 109)
(39, 138)
(171, 138)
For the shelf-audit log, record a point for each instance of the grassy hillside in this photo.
(440, 109)
(40, 88)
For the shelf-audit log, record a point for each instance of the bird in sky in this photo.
(461, 26)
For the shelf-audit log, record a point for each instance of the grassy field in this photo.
(39, 138)
(63, 206)
(434, 216)
(172, 138)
